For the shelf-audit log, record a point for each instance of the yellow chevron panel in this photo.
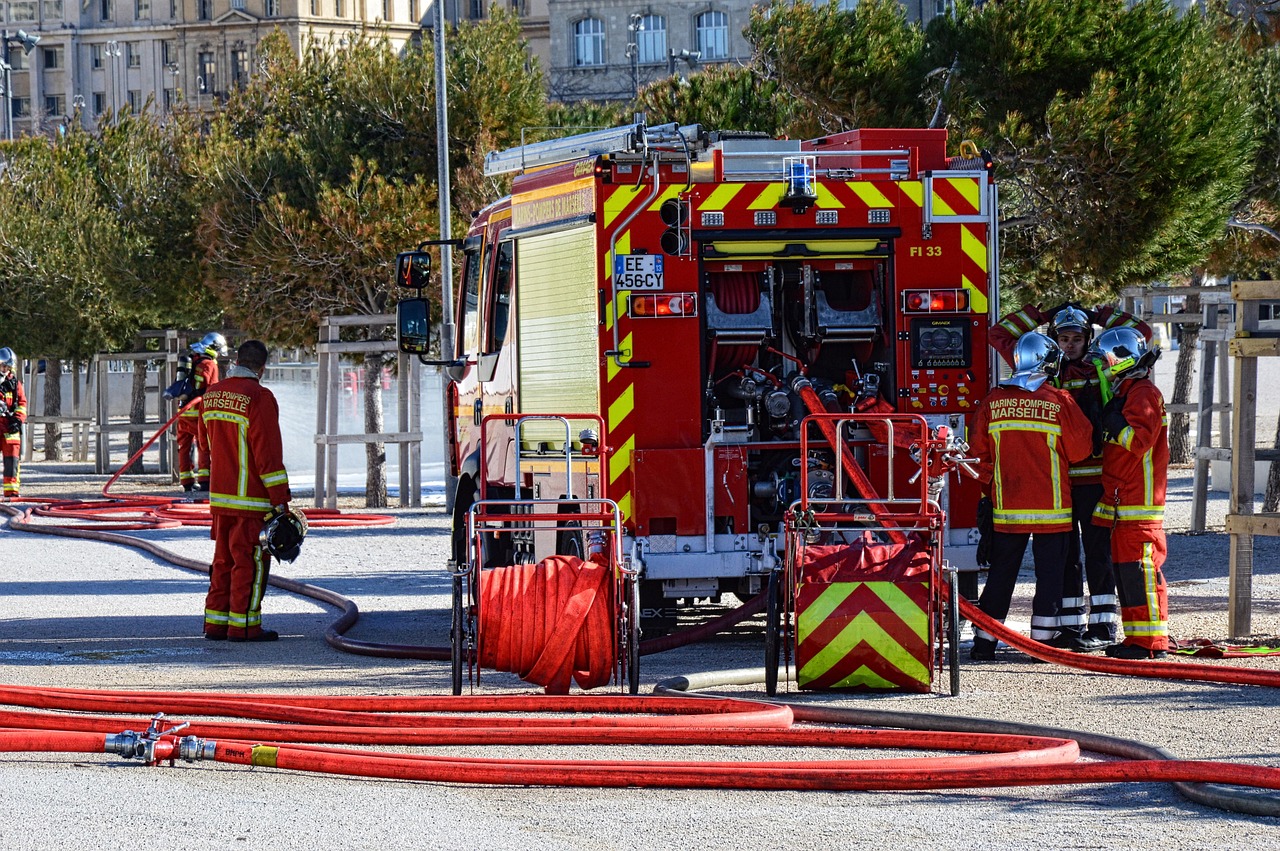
(864, 676)
(913, 190)
(623, 246)
(968, 187)
(621, 407)
(620, 461)
(624, 506)
(827, 201)
(619, 201)
(611, 364)
(870, 195)
(769, 197)
(720, 198)
(974, 248)
(670, 192)
(940, 207)
(977, 299)
(863, 628)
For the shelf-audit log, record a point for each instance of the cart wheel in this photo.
(953, 629)
(458, 636)
(772, 633)
(633, 635)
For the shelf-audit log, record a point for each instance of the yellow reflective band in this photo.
(621, 460)
(975, 248)
(720, 198)
(940, 207)
(1027, 425)
(670, 192)
(611, 364)
(827, 201)
(1028, 517)
(977, 298)
(1091, 470)
(913, 190)
(263, 755)
(619, 201)
(870, 195)
(770, 196)
(968, 188)
(624, 506)
(621, 408)
(1055, 472)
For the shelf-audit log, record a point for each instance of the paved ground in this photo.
(85, 614)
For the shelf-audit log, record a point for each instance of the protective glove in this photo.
(1113, 420)
(986, 531)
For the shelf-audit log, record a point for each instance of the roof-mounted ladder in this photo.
(632, 138)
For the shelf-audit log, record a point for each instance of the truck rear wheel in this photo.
(496, 549)
(657, 613)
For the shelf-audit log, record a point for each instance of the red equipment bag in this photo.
(863, 616)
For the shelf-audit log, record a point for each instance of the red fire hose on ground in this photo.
(297, 732)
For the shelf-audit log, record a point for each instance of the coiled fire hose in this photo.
(549, 622)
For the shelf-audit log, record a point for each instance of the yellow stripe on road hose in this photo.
(263, 755)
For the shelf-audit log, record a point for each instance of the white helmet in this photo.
(1123, 353)
(211, 345)
(1035, 359)
(7, 359)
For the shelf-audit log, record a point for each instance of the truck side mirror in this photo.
(413, 325)
(413, 269)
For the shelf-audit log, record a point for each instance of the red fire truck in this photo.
(681, 284)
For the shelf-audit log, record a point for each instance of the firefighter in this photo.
(1135, 466)
(13, 413)
(240, 423)
(1026, 435)
(201, 375)
(1071, 327)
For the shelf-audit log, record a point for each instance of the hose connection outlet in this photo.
(143, 746)
(194, 749)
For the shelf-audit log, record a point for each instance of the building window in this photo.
(651, 40)
(169, 100)
(414, 14)
(95, 56)
(588, 42)
(943, 7)
(99, 103)
(208, 71)
(387, 10)
(315, 8)
(21, 107)
(477, 10)
(135, 100)
(204, 10)
(104, 10)
(237, 4)
(52, 57)
(23, 10)
(168, 53)
(133, 54)
(52, 10)
(338, 10)
(271, 8)
(712, 30)
(239, 68)
(141, 10)
(173, 8)
(18, 60)
(55, 104)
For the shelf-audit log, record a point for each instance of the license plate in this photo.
(637, 271)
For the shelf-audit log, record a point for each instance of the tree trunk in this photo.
(375, 485)
(1181, 447)
(138, 413)
(53, 408)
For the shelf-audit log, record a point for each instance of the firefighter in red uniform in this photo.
(1135, 468)
(201, 375)
(13, 413)
(240, 423)
(1071, 327)
(1026, 435)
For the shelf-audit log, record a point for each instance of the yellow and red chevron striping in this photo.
(872, 635)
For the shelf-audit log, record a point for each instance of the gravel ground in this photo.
(83, 614)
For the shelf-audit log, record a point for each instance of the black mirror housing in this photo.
(413, 269)
(413, 325)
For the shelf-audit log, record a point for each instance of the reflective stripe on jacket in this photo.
(1024, 442)
(1135, 462)
(240, 423)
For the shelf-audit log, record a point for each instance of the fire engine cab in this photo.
(682, 285)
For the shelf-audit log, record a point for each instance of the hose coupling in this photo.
(194, 749)
(131, 745)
